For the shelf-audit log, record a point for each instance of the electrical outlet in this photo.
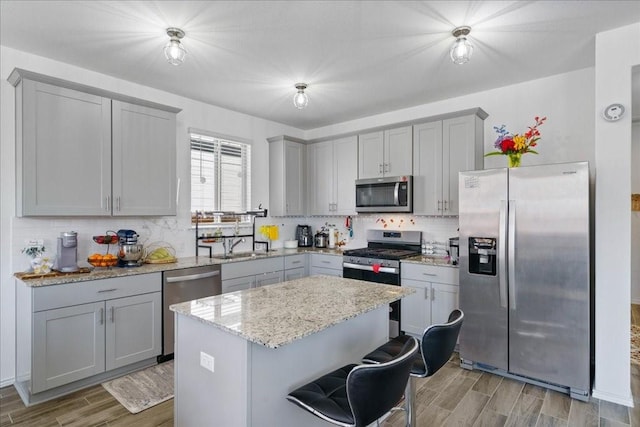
(206, 361)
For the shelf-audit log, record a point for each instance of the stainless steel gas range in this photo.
(379, 262)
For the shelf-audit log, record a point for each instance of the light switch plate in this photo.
(207, 361)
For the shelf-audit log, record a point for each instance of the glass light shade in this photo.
(461, 51)
(300, 99)
(175, 52)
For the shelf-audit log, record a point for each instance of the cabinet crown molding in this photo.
(18, 74)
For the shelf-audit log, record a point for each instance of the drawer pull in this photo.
(429, 274)
(326, 262)
(107, 290)
(296, 262)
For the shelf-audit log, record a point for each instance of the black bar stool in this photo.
(357, 395)
(438, 343)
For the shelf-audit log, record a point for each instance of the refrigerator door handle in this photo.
(512, 254)
(502, 255)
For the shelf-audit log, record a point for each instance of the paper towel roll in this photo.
(332, 238)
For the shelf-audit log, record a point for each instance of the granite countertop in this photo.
(280, 314)
(430, 260)
(185, 262)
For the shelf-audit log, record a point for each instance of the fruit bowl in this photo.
(98, 260)
(107, 239)
(159, 253)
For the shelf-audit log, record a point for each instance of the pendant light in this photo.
(300, 99)
(461, 50)
(174, 51)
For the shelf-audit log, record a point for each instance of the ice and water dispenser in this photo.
(482, 255)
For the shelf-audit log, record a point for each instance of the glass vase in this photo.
(514, 159)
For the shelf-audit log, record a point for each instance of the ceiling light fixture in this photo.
(461, 50)
(300, 99)
(174, 50)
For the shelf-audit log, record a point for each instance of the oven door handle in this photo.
(369, 268)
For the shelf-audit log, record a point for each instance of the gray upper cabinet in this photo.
(331, 169)
(442, 149)
(385, 153)
(287, 180)
(83, 151)
(144, 160)
(63, 151)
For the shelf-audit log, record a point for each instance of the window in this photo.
(220, 174)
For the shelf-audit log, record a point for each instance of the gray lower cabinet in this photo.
(435, 297)
(241, 275)
(132, 332)
(85, 329)
(68, 345)
(328, 265)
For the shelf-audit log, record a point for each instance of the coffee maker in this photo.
(304, 236)
(68, 252)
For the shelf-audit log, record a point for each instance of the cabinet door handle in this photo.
(439, 205)
(380, 167)
(445, 204)
(108, 202)
(426, 293)
(433, 294)
(118, 203)
(387, 167)
(113, 316)
(107, 290)
(102, 316)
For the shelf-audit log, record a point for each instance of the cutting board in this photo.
(52, 273)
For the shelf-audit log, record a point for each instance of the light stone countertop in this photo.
(187, 262)
(430, 260)
(280, 314)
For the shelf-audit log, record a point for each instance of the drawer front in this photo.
(294, 261)
(326, 261)
(68, 294)
(429, 273)
(247, 268)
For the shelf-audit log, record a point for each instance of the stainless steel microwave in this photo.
(388, 194)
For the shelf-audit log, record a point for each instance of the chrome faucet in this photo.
(232, 245)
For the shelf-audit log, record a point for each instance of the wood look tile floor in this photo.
(452, 397)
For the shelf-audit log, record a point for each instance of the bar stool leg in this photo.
(409, 401)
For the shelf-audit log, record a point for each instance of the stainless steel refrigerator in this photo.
(525, 275)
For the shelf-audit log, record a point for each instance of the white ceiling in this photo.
(358, 57)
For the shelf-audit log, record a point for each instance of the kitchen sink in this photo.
(239, 255)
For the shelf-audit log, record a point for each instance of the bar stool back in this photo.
(438, 343)
(358, 395)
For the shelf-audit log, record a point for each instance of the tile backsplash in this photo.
(180, 235)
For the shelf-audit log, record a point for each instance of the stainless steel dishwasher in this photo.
(185, 285)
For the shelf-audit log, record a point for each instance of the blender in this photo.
(129, 250)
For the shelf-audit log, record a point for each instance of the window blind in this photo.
(220, 174)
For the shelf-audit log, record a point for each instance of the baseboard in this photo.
(7, 382)
(613, 398)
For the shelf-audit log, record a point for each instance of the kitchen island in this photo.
(239, 354)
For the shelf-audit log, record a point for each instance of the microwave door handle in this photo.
(396, 194)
